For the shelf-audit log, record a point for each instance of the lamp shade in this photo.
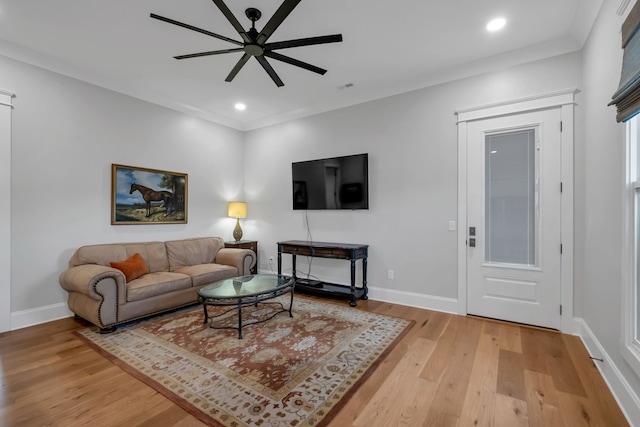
(237, 209)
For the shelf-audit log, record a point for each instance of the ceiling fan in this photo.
(254, 43)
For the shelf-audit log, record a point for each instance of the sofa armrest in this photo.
(242, 259)
(97, 282)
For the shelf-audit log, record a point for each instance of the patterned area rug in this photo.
(285, 372)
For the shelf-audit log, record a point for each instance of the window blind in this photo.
(627, 97)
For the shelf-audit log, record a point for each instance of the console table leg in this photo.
(353, 303)
(365, 290)
(279, 263)
(293, 267)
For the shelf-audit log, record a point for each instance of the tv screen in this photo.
(333, 183)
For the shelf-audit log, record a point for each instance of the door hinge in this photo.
(560, 309)
(560, 248)
(561, 187)
(560, 126)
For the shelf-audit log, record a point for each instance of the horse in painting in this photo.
(149, 195)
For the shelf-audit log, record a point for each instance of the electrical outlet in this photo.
(390, 274)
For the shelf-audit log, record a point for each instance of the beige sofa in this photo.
(101, 294)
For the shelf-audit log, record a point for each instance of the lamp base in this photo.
(237, 232)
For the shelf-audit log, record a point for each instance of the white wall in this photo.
(66, 135)
(412, 144)
(602, 189)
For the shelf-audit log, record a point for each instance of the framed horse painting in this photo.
(147, 196)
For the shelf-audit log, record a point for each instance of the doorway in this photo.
(513, 213)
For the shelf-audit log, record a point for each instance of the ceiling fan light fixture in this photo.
(496, 24)
(254, 42)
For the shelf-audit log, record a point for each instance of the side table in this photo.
(245, 244)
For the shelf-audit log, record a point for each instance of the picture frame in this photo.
(148, 196)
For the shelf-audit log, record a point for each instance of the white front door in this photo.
(514, 206)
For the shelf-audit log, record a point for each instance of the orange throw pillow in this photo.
(132, 268)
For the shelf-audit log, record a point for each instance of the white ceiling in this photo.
(388, 48)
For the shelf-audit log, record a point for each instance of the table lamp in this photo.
(237, 210)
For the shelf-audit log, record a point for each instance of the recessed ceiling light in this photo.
(240, 106)
(496, 24)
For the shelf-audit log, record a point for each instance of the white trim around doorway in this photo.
(565, 100)
(6, 107)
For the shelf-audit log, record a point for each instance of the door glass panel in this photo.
(510, 197)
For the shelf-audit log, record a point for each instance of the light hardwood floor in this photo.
(447, 371)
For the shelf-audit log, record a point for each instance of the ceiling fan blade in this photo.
(238, 67)
(295, 62)
(283, 11)
(233, 20)
(212, 52)
(304, 42)
(267, 67)
(191, 27)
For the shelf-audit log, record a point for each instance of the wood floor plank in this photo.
(577, 411)
(435, 325)
(510, 337)
(511, 375)
(441, 356)
(608, 412)
(402, 381)
(564, 374)
(510, 412)
(479, 404)
(542, 401)
(447, 404)
(535, 347)
(445, 371)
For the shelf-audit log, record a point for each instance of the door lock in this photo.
(472, 238)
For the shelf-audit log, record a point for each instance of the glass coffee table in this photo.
(244, 291)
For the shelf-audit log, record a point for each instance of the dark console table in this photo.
(345, 251)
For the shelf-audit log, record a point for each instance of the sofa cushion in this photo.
(153, 253)
(186, 252)
(132, 268)
(158, 283)
(203, 274)
(98, 254)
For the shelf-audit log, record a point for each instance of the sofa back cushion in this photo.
(201, 250)
(154, 254)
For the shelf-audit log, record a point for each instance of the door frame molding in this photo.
(6, 108)
(565, 100)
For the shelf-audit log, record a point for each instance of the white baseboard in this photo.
(628, 401)
(36, 316)
(412, 299)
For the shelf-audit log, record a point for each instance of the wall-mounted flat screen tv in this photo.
(333, 183)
